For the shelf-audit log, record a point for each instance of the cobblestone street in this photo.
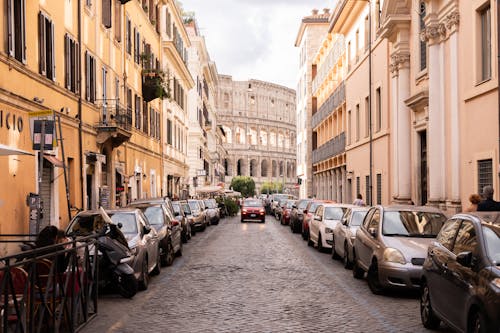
(255, 277)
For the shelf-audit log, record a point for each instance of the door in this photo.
(368, 242)
(315, 223)
(150, 241)
(423, 167)
(46, 194)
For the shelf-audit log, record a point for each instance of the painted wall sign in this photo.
(11, 121)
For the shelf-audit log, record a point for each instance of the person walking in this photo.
(474, 200)
(359, 200)
(488, 204)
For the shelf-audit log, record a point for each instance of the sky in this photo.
(254, 39)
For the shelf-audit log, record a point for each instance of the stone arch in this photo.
(281, 139)
(241, 166)
(281, 168)
(272, 138)
(239, 135)
(229, 134)
(254, 168)
(289, 170)
(228, 167)
(263, 138)
(274, 169)
(264, 168)
(252, 136)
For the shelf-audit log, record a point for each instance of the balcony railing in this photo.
(115, 123)
(332, 148)
(335, 99)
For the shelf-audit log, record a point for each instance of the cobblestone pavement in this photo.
(255, 277)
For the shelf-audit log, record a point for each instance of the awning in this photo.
(209, 189)
(6, 150)
(54, 160)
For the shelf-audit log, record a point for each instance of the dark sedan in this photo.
(253, 210)
(461, 275)
(297, 215)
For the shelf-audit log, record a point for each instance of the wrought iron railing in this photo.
(331, 148)
(113, 114)
(50, 289)
(333, 102)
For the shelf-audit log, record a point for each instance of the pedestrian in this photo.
(359, 200)
(51, 235)
(488, 204)
(474, 200)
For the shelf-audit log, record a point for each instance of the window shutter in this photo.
(93, 83)
(135, 45)
(77, 72)
(52, 51)
(23, 31)
(67, 62)
(41, 44)
(87, 77)
(106, 13)
(10, 19)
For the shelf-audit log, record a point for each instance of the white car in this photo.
(327, 216)
(345, 233)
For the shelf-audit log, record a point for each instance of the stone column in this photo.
(339, 184)
(344, 184)
(436, 148)
(394, 129)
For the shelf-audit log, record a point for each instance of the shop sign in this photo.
(11, 121)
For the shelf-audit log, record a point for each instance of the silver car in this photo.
(326, 217)
(391, 245)
(344, 234)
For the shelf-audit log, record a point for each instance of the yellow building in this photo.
(102, 67)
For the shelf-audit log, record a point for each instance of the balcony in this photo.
(115, 123)
(153, 85)
(333, 102)
(330, 149)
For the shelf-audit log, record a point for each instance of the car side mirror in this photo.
(147, 229)
(465, 259)
(175, 223)
(317, 217)
(344, 221)
(304, 211)
(294, 206)
(372, 231)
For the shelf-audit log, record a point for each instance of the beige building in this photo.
(258, 119)
(311, 33)
(103, 67)
(422, 100)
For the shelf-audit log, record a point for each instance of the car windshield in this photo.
(334, 213)
(177, 209)
(491, 234)
(129, 225)
(303, 204)
(154, 215)
(357, 218)
(313, 207)
(412, 223)
(186, 208)
(209, 204)
(289, 204)
(194, 205)
(252, 203)
(85, 224)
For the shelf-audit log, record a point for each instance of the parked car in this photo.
(391, 245)
(278, 211)
(461, 275)
(345, 233)
(196, 215)
(253, 210)
(180, 216)
(297, 215)
(311, 210)
(286, 210)
(142, 239)
(166, 226)
(204, 212)
(275, 198)
(212, 211)
(326, 218)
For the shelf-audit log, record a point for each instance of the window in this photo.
(46, 46)
(104, 84)
(168, 24)
(378, 110)
(137, 46)
(423, 44)
(357, 48)
(71, 64)
(368, 190)
(447, 234)
(378, 13)
(379, 189)
(106, 13)
(137, 112)
(349, 127)
(88, 3)
(485, 15)
(357, 122)
(349, 55)
(367, 117)
(90, 77)
(358, 186)
(375, 220)
(367, 32)
(466, 240)
(16, 34)
(152, 125)
(169, 131)
(145, 117)
(484, 173)
(129, 36)
(118, 21)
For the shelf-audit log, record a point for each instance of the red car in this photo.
(286, 211)
(309, 215)
(253, 210)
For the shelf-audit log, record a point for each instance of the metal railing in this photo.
(331, 148)
(50, 289)
(113, 114)
(333, 102)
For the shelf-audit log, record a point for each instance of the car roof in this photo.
(411, 208)
(484, 217)
(341, 205)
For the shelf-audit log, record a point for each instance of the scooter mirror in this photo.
(120, 225)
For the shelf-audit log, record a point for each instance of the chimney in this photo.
(326, 10)
(315, 11)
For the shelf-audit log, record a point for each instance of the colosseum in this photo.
(258, 119)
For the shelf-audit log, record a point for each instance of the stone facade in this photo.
(258, 119)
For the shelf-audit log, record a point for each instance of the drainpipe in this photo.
(498, 69)
(80, 129)
(370, 98)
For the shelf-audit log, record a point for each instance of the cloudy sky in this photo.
(253, 39)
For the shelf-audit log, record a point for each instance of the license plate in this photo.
(252, 215)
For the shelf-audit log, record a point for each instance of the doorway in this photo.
(423, 167)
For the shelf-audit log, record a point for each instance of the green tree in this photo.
(271, 187)
(243, 184)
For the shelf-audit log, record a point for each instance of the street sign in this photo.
(41, 113)
(45, 129)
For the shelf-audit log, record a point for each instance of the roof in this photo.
(315, 18)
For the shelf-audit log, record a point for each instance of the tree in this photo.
(271, 187)
(243, 184)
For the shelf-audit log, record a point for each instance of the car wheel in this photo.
(304, 235)
(144, 283)
(373, 279)
(127, 286)
(320, 243)
(242, 220)
(309, 241)
(357, 272)
(345, 259)
(478, 323)
(157, 269)
(427, 316)
(334, 253)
